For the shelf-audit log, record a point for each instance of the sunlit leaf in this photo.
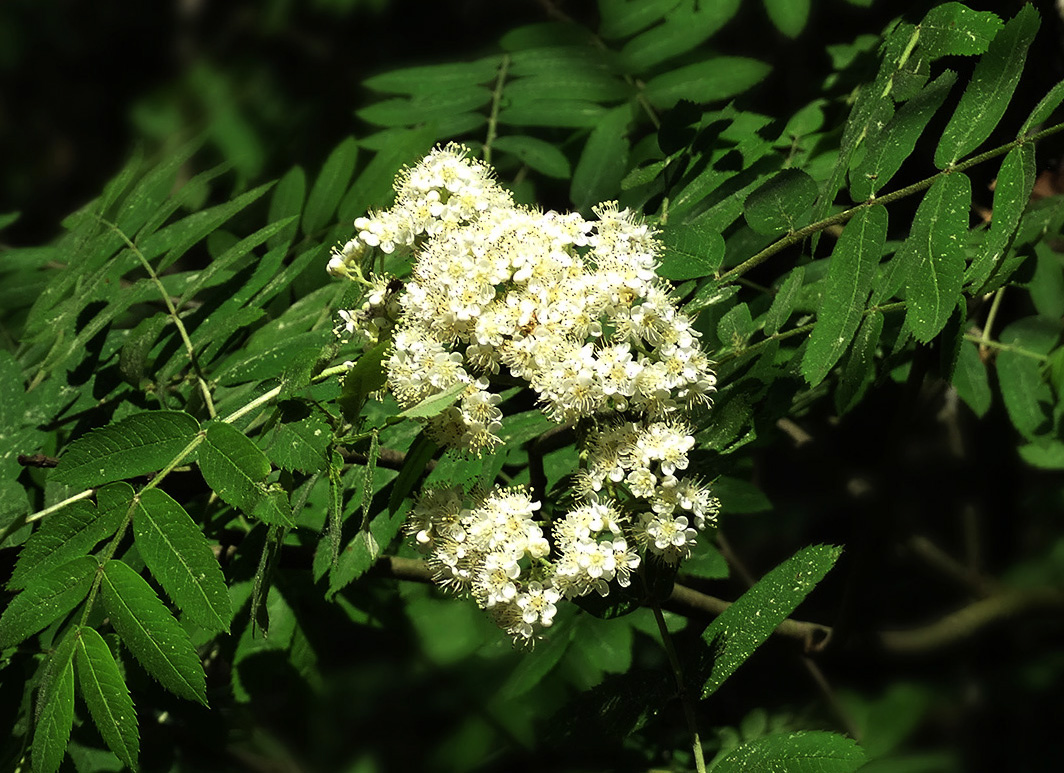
(105, 693)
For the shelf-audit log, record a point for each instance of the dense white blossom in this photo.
(572, 308)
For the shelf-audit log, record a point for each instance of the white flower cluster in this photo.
(574, 309)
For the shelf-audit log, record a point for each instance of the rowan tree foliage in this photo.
(595, 404)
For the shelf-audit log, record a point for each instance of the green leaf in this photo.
(287, 202)
(133, 357)
(363, 550)
(107, 696)
(151, 633)
(270, 358)
(55, 708)
(236, 470)
(234, 258)
(788, 16)
(336, 174)
(366, 376)
(426, 107)
(692, 251)
(622, 18)
(803, 752)
(778, 205)
(970, 379)
(178, 238)
(178, 555)
(560, 113)
(784, 301)
(1043, 110)
(745, 625)
(851, 272)
(435, 77)
(990, 90)
(7, 219)
(885, 157)
(137, 445)
(584, 83)
(535, 153)
(374, 184)
(859, 369)
(46, 600)
(713, 80)
(1021, 378)
(1012, 191)
(932, 258)
(417, 459)
(690, 25)
(300, 438)
(952, 29)
(72, 532)
(599, 171)
(434, 405)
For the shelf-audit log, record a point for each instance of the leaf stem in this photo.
(496, 100)
(841, 217)
(172, 312)
(681, 687)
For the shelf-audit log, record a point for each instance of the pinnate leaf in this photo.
(137, 445)
(687, 27)
(691, 251)
(542, 156)
(954, 29)
(712, 80)
(236, 469)
(932, 258)
(330, 186)
(884, 158)
(46, 600)
(1012, 191)
(599, 171)
(803, 752)
(70, 533)
(778, 204)
(990, 90)
(788, 16)
(55, 709)
(850, 275)
(745, 625)
(105, 693)
(151, 633)
(287, 202)
(1043, 109)
(434, 405)
(177, 553)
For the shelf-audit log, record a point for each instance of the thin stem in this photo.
(1004, 347)
(496, 99)
(991, 317)
(58, 506)
(797, 236)
(681, 687)
(172, 311)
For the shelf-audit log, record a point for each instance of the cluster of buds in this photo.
(574, 309)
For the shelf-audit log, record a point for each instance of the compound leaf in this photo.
(46, 600)
(803, 752)
(151, 633)
(745, 625)
(70, 533)
(851, 273)
(107, 696)
(777, 205)
(990, 90)
(932, 258)
(137, 445)
(55, 709)
(178, 555)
